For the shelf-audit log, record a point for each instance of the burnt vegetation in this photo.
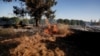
(72, 43)
(79, 43)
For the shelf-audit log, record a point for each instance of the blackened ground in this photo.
(81, 43)
(87, 42)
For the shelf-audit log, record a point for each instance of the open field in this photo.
(80, 43)
(86, 28)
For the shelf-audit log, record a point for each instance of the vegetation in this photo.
(34, 45)
(67, 42)
(20, 12)
(95, 22)
(35, 8)
(8, 32)
(5, 21)
(71, 22)
(13, 22)
(24, 22)
(76, 44)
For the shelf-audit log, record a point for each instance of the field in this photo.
(78, 43)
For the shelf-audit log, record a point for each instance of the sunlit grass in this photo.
(6, 32)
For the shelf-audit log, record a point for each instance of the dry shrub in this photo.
(63, 29)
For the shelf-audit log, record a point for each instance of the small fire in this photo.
(46, 31)
(56, 29)
(50, 29)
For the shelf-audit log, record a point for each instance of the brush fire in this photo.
(56, 29)
(51, 29)
(38, 44)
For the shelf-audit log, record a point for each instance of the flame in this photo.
(46, 31)
(57, 29)
(51, 29)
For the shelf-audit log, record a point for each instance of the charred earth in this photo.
(80, 43)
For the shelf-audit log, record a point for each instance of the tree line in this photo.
(13, 21)
(18, 21)
(71, 22)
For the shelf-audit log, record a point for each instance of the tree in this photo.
(25, 21)
(38, 8)
(72, 22)
(31, 21)
(66, 21)
(15, 20)
(7, 22)
(60, 21)
(98, 22)
(20, 11)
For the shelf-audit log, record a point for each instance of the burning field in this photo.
(43, 43)
(51, 41)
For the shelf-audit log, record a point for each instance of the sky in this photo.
(66, 9)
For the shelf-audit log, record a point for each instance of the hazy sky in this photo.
(70, 9)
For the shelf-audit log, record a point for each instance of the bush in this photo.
(63, 29)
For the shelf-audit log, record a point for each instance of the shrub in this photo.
(63, 29)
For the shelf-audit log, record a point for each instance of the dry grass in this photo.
(34, 45)
(64, 29)
(77, 44)
(28, 46)
(7, 32)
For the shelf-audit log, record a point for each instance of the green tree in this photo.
(38, 8)
(15, 20)
(25, 21)
(60, 21)
(5, 19)
(20, 11)
(31, 21)
(72, 22)
(66, 21)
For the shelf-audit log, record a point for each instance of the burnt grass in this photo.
(81, 43)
